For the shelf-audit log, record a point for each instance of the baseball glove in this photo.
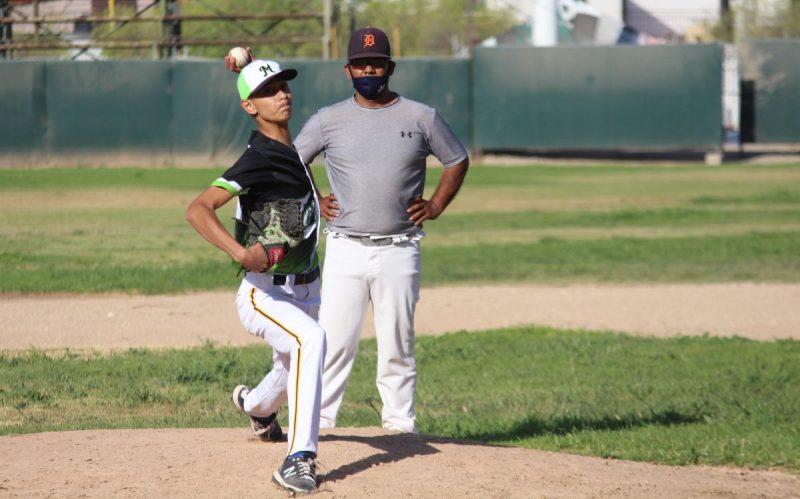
(279, 222)
(278, 226)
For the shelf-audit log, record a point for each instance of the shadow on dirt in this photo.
(393, 448)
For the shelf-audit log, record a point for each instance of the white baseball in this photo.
(240, 57)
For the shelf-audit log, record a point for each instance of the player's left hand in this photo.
(420, 210)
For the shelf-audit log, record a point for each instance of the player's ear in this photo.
(390, 69)
(347, 71)
(248, 106)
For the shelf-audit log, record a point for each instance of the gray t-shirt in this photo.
(375, 159)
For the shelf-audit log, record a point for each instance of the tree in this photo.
(416, 27)
(286, 32)
(433, 27)
(754, 19)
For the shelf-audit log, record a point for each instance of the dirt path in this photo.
(368, 462)
(758, 311)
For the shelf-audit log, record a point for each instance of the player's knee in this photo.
(314, 339)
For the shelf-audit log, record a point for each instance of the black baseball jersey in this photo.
(270, 172)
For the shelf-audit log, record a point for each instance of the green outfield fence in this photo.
(627, 97)
(770, 69)
(186, 113)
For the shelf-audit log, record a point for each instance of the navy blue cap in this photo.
(368, 42)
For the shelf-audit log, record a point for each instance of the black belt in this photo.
(307, 278)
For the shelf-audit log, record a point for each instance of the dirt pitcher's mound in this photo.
(363, 462)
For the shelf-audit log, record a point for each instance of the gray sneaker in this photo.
(297, 474)
(265, 428)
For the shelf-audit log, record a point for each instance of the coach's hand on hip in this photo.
(420, 210)
(329, 207)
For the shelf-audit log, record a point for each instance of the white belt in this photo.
(381, 240)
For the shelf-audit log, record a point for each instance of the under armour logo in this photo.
(369, 41)
(403, 134)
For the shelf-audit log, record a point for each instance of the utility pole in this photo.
(326, 35)
(5, 30)
(726, 18)
(36, 27)
(336, 25)
(352, 9)
(545, 23)
(470, 26)
(171, 30)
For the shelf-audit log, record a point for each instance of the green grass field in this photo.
(100, 230)
(678, 401)
(695, 400)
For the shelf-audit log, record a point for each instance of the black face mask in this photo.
(370, 87)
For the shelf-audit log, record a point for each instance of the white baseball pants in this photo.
(284, 316)
(389, 276)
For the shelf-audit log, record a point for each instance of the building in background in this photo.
(78, 33)
(65, 8)
(609, 22)
(673, 20)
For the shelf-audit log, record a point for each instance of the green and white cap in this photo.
(258, 73)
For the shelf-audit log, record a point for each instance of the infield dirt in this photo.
(370, 462)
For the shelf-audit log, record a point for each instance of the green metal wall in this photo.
(774, 68)
(183, 113)
(22, 109)
(108, 107)
(516, 99)
(635, 97)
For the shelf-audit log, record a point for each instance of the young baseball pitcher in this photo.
(277, 228)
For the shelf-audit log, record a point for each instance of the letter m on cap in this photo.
(266, 70)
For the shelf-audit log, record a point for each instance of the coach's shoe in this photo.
(265, 428)
(297, 474)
